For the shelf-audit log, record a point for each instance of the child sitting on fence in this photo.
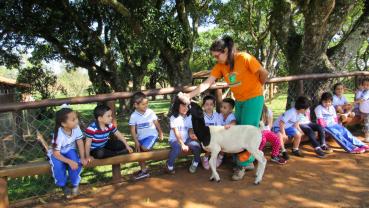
(269, 136)
(287, 125)
(63, 155)
(363, 100)
(99, 145)
(181, 139)
(327, 118)
(145, 129)
(340, 103)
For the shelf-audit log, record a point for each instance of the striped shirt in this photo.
(99, 136)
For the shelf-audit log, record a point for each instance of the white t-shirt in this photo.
(270, 115)
(64, 142)
(144, 123)
(327, 114)
(337, 101)
(182, 124)
(304, 118)
(211, 120)
(364, 106)
(222, 122)
(290, 118)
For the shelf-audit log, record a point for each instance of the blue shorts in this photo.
(148, 142)
(291, 131)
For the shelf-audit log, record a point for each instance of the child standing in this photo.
(269, 136)
(63, 156)
(181, 138)
(309, 128)
(211, 119)
(145, 129)
(327, 118)
(363, 100)
(226, 118)
(340, 103)
(287, 125)
(98, 142)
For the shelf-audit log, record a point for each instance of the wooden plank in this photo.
(4, 201)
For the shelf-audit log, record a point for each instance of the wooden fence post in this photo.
(271, 92)
(218, 96)
(4, 201)
(117, 175)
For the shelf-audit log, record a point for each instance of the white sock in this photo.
(283, 149)
(195, 163)
(170, 167)
(295, 149)
(220, 156)
(316, 148)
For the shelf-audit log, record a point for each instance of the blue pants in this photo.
(309, 130)
(59, 169)
(176, 149)
(343, 137)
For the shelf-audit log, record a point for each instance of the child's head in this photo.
(227, 106)
(140, 101)
(326, 99)
(338, 89)
(65, 118)
(365, 84)
(302, 104)
(179, 108)
(103, 114)
(208, 103)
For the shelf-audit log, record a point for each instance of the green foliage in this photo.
(75, 82)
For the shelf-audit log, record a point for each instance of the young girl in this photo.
(211, 119)
(180, 136)
(269, 136)
(363, 101)
(340, 103)
(327, 118)
(63, 156)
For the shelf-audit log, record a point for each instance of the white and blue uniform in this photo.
(225, 121)
(364, 106)
(290, 118)
(145, 128)
(66, 144)
(211, 120)
(339, 101)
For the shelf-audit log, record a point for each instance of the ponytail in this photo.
(221, 44)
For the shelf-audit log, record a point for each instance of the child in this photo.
(269, 136)
(211, 119)
(309, 129)
(98, 142)
(145, 129)
(226, 118)
(63, 156)
(327, 118)
(343, 108)
(181, 138)
(363, 100)
(287, 125)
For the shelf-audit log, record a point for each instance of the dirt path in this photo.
(339, 180)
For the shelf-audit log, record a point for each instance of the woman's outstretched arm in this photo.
(202, 87)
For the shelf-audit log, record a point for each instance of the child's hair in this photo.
(208, 97)
(174, 110)
(100, 110)
(302, 102)
(138, 97)
(326, 96)
(364, 80)
(265, 115)
(60, 117)
(335, 87)
(229, 101)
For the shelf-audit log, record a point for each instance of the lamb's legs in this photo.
(259, 156)
(213, 165)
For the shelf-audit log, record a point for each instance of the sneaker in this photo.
(219, 160)
(205, 163)
(169, 171)
(193, 167)
(319, 152)
(278, 160)
(365, 148)
(141, 175)
(238, 174)
(251, 166)
(297, 153)
(326, 149)
(75, 191)
(357, 150)
(285, 155)
(66, 192)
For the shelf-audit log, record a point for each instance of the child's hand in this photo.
(89, 159)
(227, 126)
(130, 150)
(184, 148)
(84, 161)
(161, 136)
(73, 165)
(193, 136)
(137, 146)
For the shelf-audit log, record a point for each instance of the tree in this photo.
(74, 82)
